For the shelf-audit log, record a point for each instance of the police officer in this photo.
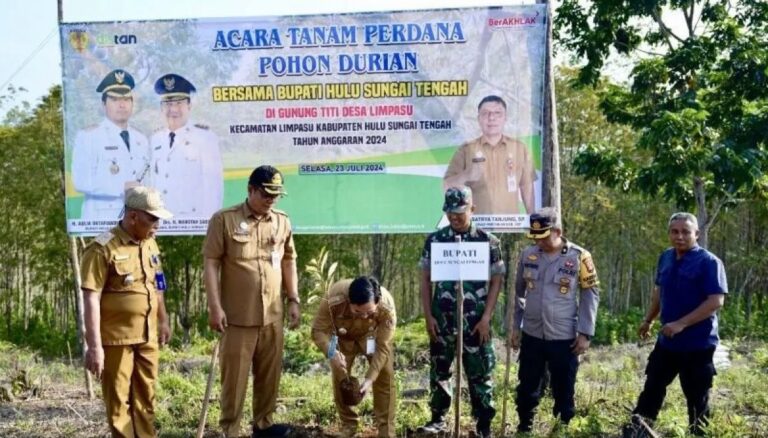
(107, 156)
(556, 299)
(690, 289)
(440, 313)
(497, 168)
(123, 285)
(357, 318)
(186, 161)
(249, 259)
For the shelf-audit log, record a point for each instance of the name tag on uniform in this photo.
(275, 260)
(511, 183)
(121, 257)
(332, 346)
(370, 346)
(160, 281)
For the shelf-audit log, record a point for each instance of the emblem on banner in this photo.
(78, 39)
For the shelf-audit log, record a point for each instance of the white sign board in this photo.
(460, 261)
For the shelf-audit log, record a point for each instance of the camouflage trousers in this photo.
(478, 362)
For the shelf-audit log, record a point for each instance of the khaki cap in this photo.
(146, 199)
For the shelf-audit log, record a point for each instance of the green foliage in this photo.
(615, 329)
(300, 350)
(697, 98)
(321, 275)
(47, 341)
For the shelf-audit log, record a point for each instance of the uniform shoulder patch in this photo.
(280, 212)
(201, 126)
(236, 207)
(104, 238)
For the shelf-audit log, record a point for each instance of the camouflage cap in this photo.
(457, 199)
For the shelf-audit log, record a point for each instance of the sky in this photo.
(29, 40)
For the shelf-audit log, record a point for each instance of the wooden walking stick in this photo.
(208, 388)
(459, 350)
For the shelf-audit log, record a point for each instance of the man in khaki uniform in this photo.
(249, 258)
(497, 168)
(123, 285)
(357, 318)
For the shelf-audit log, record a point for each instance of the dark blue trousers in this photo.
(535, 354)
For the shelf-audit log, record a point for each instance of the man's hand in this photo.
(94, 361)
(431, 327)
(165, 332)
(483, 329)
(365, 387)
(580, 344)
(217, 319)
(294, 314)
(645, 330)
(339, 362)
(513, 339)
(672, 328)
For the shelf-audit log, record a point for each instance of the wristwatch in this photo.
(295, 299)
(589, 338)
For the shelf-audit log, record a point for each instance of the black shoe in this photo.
(275, 430)
(635, 429)
(434, 427)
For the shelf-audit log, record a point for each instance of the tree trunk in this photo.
(702, 214)
(378, 248)
(551, 153)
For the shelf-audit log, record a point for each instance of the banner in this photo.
(369, 116)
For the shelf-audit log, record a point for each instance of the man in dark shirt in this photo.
(690, 288)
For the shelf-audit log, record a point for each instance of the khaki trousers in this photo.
(128, 388)
(243, 349)
(383, 392)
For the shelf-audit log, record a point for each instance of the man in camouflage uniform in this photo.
(556, 299)
(357, 318)
(440, 313)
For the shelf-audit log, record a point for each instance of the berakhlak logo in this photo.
(514, 21)
(78, 39)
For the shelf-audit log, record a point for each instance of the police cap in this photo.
(541, 226)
